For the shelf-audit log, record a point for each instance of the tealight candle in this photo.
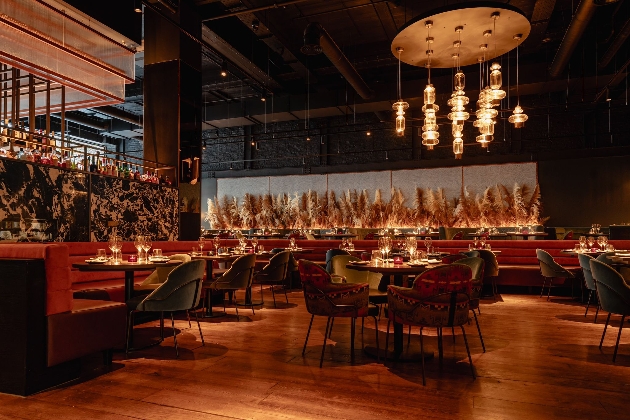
(133, 258)
(398, 260)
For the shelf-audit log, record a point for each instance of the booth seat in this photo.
(39, 313)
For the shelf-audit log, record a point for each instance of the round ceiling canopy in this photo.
(475, 20)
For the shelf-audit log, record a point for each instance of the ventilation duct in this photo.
(317, 40)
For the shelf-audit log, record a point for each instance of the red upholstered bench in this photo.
(49, 330)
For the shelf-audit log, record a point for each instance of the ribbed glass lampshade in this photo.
(518, 117)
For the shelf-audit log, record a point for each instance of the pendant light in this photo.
(458, 101)
(496, 79)
(430, 135)
(485, 113)
(518, 117)
(401, 105)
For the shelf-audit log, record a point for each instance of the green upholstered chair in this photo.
(238, 277)
(329, 256)
(477, 267)
(158, 276)
(180, 292)
(614, 296)
(439, 297)
(550, 269)
(332, 300)
(450, 259)
(470, 253)
(589, 281)
(490, 269)
(338, 267)
(274, 274)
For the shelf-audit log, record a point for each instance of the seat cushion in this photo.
(91, 326)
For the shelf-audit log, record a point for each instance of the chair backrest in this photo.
(585, 263)
(470, 253)
(476, 265)
(605, 257)
(458, 236)
(309, 236)
(240, 273)
(613, 292)
(568, 235)
(330, 254)
(369, 236)
(491, 266)
(450, 259)
(444, 279)
(181, 290)
(160, 274)
(238, 234)
(276, 269)
(313, 274)
(548, 266)
(338, 267)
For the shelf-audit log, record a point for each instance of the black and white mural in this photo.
(132, 208)
(39, 202)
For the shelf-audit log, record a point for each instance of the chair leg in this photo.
(307, 334)
(604, 333)
(261, 294)
(174, 335)
(542, 290)
(598, 306)
(162, 325)
(479, 331)
(203, 343)
(273, 294)
(378, 346)
(440, 345)
(188, 317)
(623, 317)
(472, 368)
(453, 332)
(495, 290)
(284, 288)
(387, 340)
(409, 336)
(549, 288)
(478, 309)
(588, 301)
(321, 359)
(129, 331)
(352, 330)
(424, 382)
(331, 325)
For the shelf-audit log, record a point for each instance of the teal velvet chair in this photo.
(477, 267)
(614, 296)
(274, 274)
(589, 282)
(550, 269)
(238, 277)
(180, 292)
(490, 269)
(470, 253)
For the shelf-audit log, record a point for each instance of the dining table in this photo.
(129, 269)
(527, 235)
(489, 235)
(336, 235)
(398, 272)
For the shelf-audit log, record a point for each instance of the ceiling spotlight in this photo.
(253, 143)
(368, 133)
(224, 72)
(137, 6)
(308, 138)
(204, 145)
(255, 25)
(231, 167)
(263, 98)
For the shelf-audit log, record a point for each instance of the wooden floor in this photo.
(542, 361)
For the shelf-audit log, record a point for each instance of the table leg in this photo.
(128, 285)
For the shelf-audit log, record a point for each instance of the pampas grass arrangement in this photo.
(497, 206)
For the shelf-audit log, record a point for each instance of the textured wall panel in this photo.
(478, 178)
(238, 187)
(297, 184)
(37, 198)
(450, 179)
(370, 181)
(138, 207)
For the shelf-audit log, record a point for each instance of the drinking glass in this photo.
(157, 253)
(604, 241)
(101, 254)
(217, 243)
(599, 242)
(583, 240)
(194, 251)
(381, 247)
(590, 241)
(201, 242)
(387, 242)
(146, 246)
(427, 243)
(476, 242)
(138, 242)
(261, 248)
(577, 248)
(344, 243)
(482, 242)
(115, 245)
(292, 243)
(375, 254)
(255, 243)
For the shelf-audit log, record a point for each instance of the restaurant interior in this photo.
(200, 198)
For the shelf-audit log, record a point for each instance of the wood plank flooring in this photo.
(542, 362)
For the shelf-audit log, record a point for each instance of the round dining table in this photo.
(398, 271)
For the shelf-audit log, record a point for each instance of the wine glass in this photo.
(115, 245)
(344, 243)
(292, 243)
(482, 242)
(138, 243)
(476, 242)
(412, 245)
(381, 247)
(583, 242)
(255, 243)
(201, 242)
(217, 243)
(146, 246)
(604, 242)
(590, 241)
(387, 245)
(427, 243)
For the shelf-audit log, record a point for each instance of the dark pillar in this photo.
(172, 105)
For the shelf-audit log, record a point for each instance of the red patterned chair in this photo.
(439, 297)
(332, 300)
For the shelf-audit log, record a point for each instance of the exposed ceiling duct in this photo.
(119, 114)
(581, 19)
(317, 40)
(619, 40)
(83, 120)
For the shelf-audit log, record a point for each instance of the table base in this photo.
(405, 356)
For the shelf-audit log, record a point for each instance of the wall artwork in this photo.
(133, 208)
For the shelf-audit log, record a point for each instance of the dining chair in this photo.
(309, 236)
(238, 277)
(334, 300)
(568, 235)
(438, 298)
(589, 281)
(369, 236)
(339, 263)
(490, 269)
(449, 259)
(458, 236)
(614, 296)
(180, 292)
(470, 253)
(274, 274)
(158, 276)
(330, 254)
(550, 269)
(476, 265)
